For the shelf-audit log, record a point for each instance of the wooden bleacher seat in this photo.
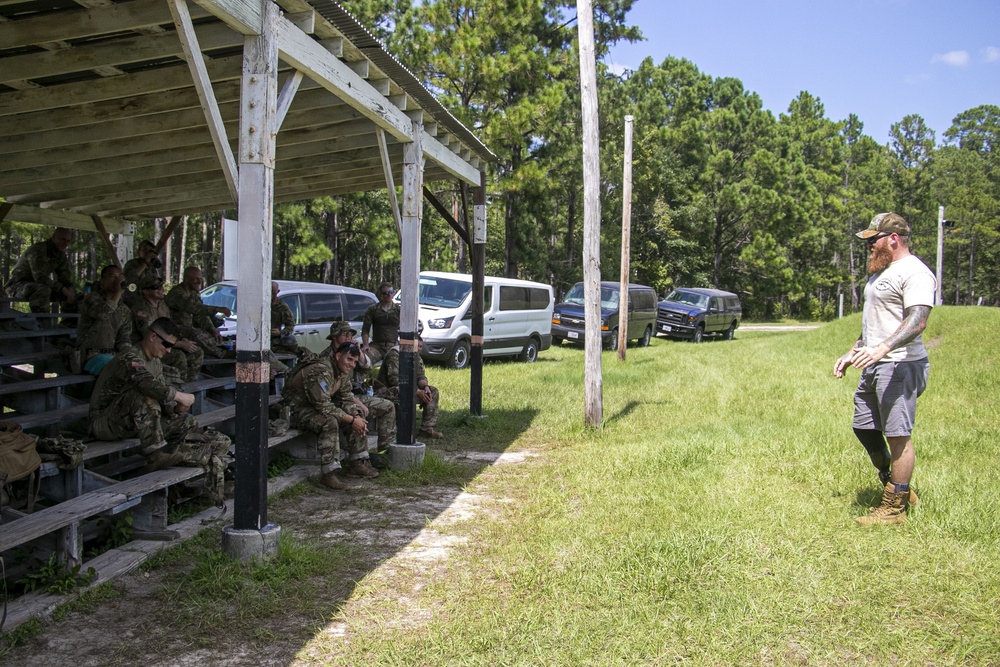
(37, 333)
(17, 386)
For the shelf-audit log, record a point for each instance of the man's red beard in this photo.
(879, 259)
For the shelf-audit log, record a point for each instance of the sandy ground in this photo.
(403, 535)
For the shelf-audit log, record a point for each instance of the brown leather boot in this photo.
(431, 433)
(331, 481)
(891, 510)
(361, 468)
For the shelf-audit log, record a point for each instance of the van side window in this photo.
(715, 304)
(357, 304)
(323, 308)
(642, 299)
(514, 297)
(487, 302)
(292, 301)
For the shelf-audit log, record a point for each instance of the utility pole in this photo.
(592, 378)
(626, 240)
(939, 295)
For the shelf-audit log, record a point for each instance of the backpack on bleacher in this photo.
(18, 459)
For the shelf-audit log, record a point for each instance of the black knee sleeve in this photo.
(874, 444)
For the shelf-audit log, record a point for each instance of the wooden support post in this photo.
(592, 377)
(258, 116)
(624, 301)
(390, 185)
(413, 173)
(448, 217)
(167, 233)
(478, 250)
(102, 233)
(287, 95)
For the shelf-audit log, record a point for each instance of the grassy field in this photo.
(711, 522)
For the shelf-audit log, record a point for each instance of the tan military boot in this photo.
(331, 481)
(361, 468)
(914, 500)
(891, 510)
(430, 432)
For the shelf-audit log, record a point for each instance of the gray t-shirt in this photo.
(905, 283)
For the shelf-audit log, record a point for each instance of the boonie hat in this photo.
(885, 223)
(339, 328)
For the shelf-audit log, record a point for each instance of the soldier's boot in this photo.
(160, 459)
(883, 476)
(331, 481)
(431, 432)
(361, 468)
(891, 510)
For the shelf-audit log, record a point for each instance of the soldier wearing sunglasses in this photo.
(381, 324)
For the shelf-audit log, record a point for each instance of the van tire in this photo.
(644, 341)
(460, 356)
(530, 352)
(698, 335)
(730, 332)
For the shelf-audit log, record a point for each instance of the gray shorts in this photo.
(886, 398)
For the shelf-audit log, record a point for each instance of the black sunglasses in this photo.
(388, 292)
(349, 347)
(166, 343)
(872, 239)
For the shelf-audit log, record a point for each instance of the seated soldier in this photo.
(186, 356)
(145, 264)
(42, 274)
(318, 391)
(427, 396)
(105, 322)
(372, 407)
(132, 400)
(195, 317)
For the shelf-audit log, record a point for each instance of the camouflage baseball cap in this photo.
(150, 282)
(885, 223)
(339, 328)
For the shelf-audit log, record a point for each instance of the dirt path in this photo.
(398, 537)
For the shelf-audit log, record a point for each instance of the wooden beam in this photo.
(68, 219)
(203, 84)
(449, 161)
(287, 95)
(102, 233)
(243, 16)
(390, 185)
(167, 232)
(444, 213)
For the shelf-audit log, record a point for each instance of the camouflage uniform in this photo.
(186, 364)
(135, 278)
(383, 325)
(132, 399)
(40, 275)
(194, 318)
(388, 376)
(105, 326)
(320, 399)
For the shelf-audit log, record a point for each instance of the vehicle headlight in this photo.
(441, 322)
(556, 318)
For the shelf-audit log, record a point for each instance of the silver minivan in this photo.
(315, 307)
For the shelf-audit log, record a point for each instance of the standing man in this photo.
(145, 264)
(381, 321)
(194, 316)
(42, 274)
(893, 362)
(318, 391)
(105, 322)
(282, 329)
(185, 357)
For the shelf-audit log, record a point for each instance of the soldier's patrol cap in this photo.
(339, 328)
(150, 282)
(885, 224)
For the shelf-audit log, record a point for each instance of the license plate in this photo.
(573, 334)
(665, 327)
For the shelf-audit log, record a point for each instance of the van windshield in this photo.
(609, 296)
(689, 298)
(220, 295)
(442, 292)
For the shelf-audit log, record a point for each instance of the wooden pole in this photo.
(593, 381)
(478, 251)
(413, 183)
(626, 240)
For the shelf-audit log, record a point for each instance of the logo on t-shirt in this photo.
(883, 285)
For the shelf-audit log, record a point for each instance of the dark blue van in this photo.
(568, 320)
(696, 312)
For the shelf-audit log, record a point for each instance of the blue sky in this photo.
(879, 59)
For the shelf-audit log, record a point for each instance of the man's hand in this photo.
(184, 401)
(866, 356)
(360, 426)
(222, 310)
(186, 346)
(70, 294)
(843, 362)
(218, 336)
(424, 395)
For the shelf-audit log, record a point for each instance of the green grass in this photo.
(711, 521)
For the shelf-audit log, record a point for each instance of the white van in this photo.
(517, 317)
(315, 307)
